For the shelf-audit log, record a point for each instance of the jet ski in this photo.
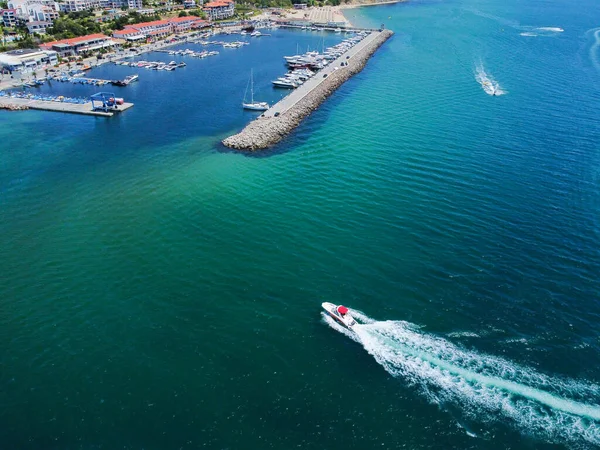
(340, 314)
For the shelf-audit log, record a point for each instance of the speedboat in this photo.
(284, 84)
(340, 314)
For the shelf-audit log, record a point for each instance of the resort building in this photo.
(220, 9)
(79, 5)
(42, 13)
(29, 11)
(159, 28)
(146, 11)
(38, 26)
(9, 17)
(189, 4)
(21, 5)
(27, 60)
(75, 46)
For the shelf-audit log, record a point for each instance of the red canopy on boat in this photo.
(342, 309)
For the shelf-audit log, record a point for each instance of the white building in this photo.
(135, 4)
(27, 60)
(220, 9)
(38, 26)
(74, 46)
(27, 11)
(131, 4)
(79, 5)
(42, 13)
(9, 17)
(24, 7)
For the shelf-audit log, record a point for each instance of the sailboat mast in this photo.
(251, 86)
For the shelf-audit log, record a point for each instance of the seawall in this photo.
(276, 123)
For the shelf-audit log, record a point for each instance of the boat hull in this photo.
(331, 309)
(255, 107)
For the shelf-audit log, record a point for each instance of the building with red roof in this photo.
(159, 28)
(74, 46)
(220, 9)
(9, 17)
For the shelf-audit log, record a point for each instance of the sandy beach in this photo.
(327, 14)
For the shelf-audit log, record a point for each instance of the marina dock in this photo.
(298, 94)
(279, 120)
(84, 108)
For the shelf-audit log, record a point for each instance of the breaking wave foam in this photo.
(550, 29)
(487, 82)
(483, 387)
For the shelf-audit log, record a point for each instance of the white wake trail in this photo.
(487, 82)
(595, 48)
(482, 386)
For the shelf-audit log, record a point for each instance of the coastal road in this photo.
(301, 92)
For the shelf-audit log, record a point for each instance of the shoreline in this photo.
(342, 8)
(360, 5)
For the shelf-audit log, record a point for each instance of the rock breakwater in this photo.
(267, 131)
(12, 107)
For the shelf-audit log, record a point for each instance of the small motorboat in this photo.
(340, 314)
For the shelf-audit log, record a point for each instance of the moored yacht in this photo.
(252, 105)
(284, 83)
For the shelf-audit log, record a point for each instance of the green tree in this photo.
(26, 42)
(183, 14)
(198, 13)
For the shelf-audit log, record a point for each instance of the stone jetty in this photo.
(276, 123)
(11, 107)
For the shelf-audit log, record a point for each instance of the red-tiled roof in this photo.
(154, 23)
(183, 19)
(127, 31)
(217, 4)
(77, 40)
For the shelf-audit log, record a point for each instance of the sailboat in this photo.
(255, 106)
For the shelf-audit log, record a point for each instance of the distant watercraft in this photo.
(489, 85)
(255, 106)
(126, 80)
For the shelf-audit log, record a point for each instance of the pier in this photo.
(279, 120)
(74, 108)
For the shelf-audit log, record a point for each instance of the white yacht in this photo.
(254, 106)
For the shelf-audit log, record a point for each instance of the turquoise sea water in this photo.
(159, 291)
